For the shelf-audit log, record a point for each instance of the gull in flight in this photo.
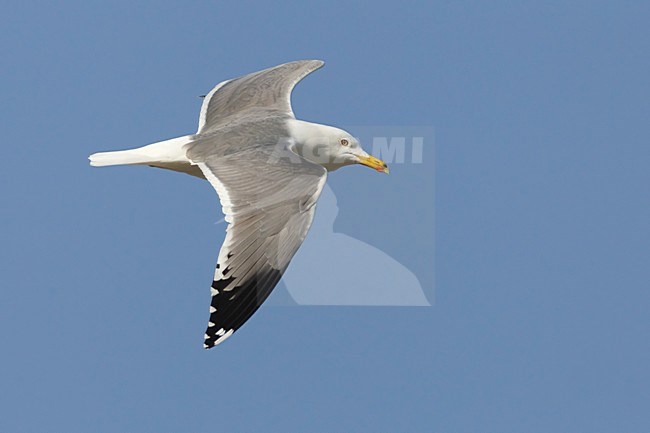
(268, 169)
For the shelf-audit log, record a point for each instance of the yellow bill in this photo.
(374, 163)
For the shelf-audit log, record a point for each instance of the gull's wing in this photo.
(267, 195)
(270, 89)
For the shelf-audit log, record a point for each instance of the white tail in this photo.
(121, 157)
(168, 152)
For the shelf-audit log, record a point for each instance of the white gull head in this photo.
(330, 147)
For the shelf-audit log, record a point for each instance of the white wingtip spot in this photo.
(212, 309)
(206, 336)
(224, 337)
(213, 291)
(210, 324)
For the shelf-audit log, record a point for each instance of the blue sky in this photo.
(540, 321)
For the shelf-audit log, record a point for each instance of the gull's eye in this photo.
(344, 142)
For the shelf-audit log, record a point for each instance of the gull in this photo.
(268, 169)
